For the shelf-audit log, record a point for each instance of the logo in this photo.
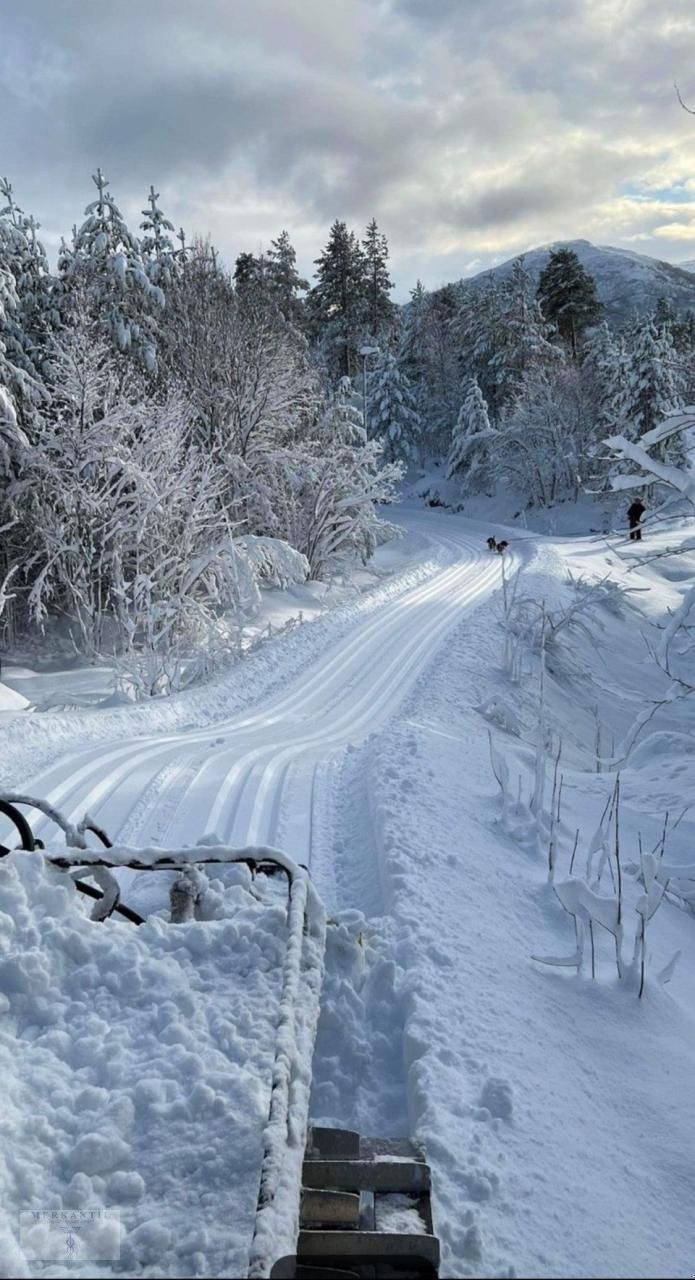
(70, 1235)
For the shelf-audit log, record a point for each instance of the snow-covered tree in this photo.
(107, 264)
(157, 246)
(393, 414)
(471, 455)
(343, 419)
(606, 364)
(655, 384)
(284, 278)
(522, 342)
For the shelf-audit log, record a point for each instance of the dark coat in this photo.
(635, 512)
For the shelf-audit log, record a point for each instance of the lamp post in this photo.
(366, 352)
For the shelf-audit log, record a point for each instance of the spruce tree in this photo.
(336, 302)
(471, 438)
(655, 384)
(606, 364)
(28, 310)
(284, 279)
(393, 414)
(379, 308)
(246, 271)
(157, 246)
(567, 295)
(107, 266)
(521, 341)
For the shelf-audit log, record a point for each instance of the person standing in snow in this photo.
(634, 517)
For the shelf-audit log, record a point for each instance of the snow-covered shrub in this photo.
(274, 562)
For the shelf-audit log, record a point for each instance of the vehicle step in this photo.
(332, 1144)
(366, 1175)
(367, 1246)
(329, 1208)
(400, 1148)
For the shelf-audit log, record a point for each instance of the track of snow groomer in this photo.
(254, 779)
(261, 777)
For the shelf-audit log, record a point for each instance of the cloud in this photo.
(470, 130)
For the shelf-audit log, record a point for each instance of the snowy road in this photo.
(253, 778)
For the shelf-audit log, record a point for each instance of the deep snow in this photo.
(557, 1112)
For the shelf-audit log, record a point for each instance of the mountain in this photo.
(625, 281)
(687, 266)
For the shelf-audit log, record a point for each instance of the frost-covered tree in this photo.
(107, 265)
(472, 451)
(522, 343)
(606, 364)
(157, 246)
(393, 414)
(654, 385)
(568, 298)
(343, 419)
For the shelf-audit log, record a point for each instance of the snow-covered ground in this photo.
(557, 1111)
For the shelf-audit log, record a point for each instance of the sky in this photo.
(471, 129)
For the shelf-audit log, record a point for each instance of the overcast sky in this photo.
(472, 129)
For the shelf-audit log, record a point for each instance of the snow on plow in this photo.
(164, 1072)
(181, 1056)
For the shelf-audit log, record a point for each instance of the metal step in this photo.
(329, 1208)
(367, 1175)
(367, 1246)
(377, 1148)
(332, 1144)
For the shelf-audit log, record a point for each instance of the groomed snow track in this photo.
(252, 779)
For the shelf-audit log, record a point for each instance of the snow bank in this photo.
(10, 700)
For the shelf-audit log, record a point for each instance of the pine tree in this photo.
(336, 302)
(567, 295)
(107, 265)
(471, 439)
(379, 308)
(393, 414)
(245, 271)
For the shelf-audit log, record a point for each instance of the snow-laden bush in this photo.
(274, 563)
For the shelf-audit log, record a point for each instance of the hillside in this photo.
(625, 281)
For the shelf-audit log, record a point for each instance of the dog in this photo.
(502, 547)
(491, 544)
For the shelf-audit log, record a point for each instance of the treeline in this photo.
(165, 429)
(157, 411)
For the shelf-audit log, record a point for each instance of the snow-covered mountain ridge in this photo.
(626, 281)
